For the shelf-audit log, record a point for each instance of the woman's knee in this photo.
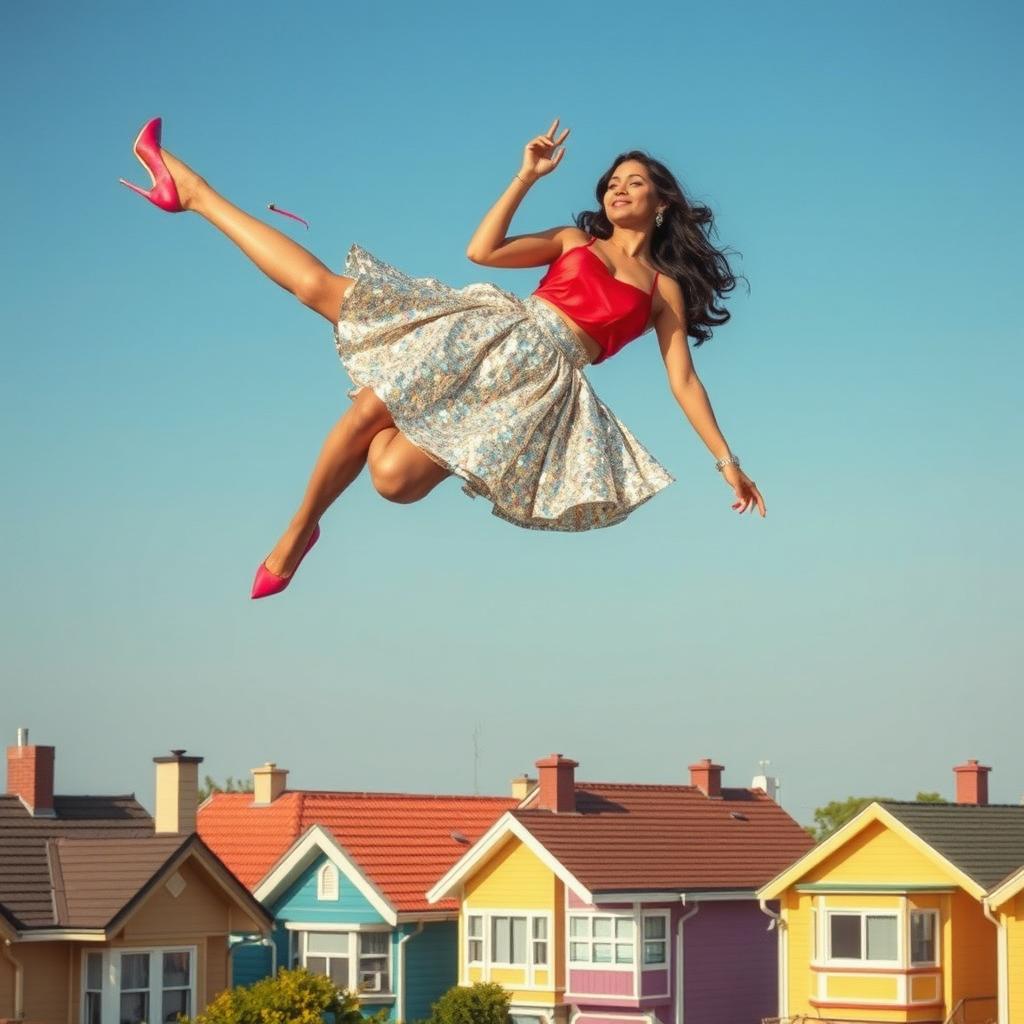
(393, 481)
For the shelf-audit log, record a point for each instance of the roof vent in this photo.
(738, 816)
(460, 838)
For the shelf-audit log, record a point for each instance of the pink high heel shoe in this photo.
(147, 149)
(267, 582)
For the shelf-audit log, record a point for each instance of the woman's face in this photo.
(630, 200)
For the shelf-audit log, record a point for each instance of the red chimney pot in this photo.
(707, 777)
(557, 785)
(972, 783)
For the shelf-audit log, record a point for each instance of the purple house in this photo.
(610, 903)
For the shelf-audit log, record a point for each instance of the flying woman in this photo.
(481, 383)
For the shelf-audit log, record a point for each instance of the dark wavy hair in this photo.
(681, 247)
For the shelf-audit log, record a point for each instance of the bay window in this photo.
(143, 986)
(924, 930)
(508, 940)
(353, 960)
(655, 940)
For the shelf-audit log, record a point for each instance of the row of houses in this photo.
(592, 903)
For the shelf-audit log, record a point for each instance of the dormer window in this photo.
(327, 883)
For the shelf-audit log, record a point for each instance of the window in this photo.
(327, 883)
(329, 954)
(540, 941)
(146, 986)
(924, 927)
(93, 998)
(176, 986)
(508, 940)
(374, 958)
(655, 940)
(601, 940)
(864, 936)
(134, 988)
(475, 938)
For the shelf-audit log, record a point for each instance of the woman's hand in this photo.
(745, 489)
(537, 156)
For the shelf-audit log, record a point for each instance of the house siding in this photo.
(729, 964)
(46, 979)
(431, 966)
(1014, 923)
(299, 902)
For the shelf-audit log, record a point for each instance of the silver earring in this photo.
(659, 219)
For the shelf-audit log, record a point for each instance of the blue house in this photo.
(345, 877)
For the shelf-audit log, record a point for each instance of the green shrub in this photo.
(481, 1003)
(290, 997)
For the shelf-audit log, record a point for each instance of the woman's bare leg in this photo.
(341, 459)
(285, 262)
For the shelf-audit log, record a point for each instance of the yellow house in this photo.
(906, 913)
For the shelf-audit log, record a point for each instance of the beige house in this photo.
(108, 915)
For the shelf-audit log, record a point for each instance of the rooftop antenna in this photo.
(477, 730)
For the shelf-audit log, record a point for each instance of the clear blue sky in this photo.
(162, 402)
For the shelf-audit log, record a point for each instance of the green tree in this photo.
(231, 785)
(481, 1003)
(833, 816)
(290, 997)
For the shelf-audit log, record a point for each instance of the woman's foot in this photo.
(288, 551)
(186, 181)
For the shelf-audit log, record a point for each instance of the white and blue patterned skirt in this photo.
(491, 387)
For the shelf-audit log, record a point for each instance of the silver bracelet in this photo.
(729, 460)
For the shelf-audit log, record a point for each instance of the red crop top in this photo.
(611, 311)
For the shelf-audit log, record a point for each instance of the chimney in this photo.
(557, 784)
(707, 777)
(30, 776)
(177, 793)
(522, 786)
(268, 783)
(972, 783)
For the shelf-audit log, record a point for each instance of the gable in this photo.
(513, 876)
(300, 901)
(878, 855)
(185, 903)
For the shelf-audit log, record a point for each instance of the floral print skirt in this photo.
(491, 386)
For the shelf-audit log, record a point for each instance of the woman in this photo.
(481, 383)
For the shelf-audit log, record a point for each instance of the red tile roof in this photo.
(402, 842)
(637, 837)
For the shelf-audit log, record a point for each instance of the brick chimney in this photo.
(523, 786)
(972, 783)
(177, 793)
(30, 775)
(268, 783)
(557, 784)
(707, 777)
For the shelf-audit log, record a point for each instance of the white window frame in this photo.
(863, 913)
(323, 890)
(666, 941)
(592, 965)
(530, 968)
(937, 929)
(354, 956)
(110, 993)
(479, 939)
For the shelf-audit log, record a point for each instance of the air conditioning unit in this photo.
(370, 981)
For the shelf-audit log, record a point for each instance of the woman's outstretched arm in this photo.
(670, 324)
(490, 245)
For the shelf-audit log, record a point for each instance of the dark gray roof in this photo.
(26, 880)
(985, 843)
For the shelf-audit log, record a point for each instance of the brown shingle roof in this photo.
(647, 838)
(26, 879)
(97, 878)
(986, 841)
